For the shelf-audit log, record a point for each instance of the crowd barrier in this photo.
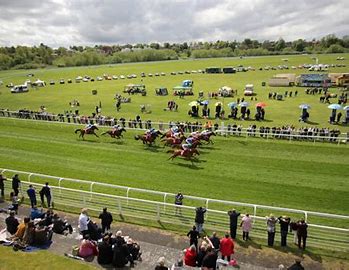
(328, 231)
(224, 128)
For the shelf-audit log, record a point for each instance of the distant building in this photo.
(343, 80)
(335, 76)
(282, 80)
(229, 70)
(314, 80)
(213, 70)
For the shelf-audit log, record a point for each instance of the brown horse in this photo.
(169, 133)
(84, 131)
(187, 154)
(149, 140)
(173, 142)
(206, 137)
(115, 133)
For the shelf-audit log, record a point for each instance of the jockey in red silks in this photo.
(188, 145)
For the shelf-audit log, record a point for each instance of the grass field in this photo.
(57, 97)
(297, 175)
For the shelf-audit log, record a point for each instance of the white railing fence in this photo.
(224, 128)
(134, 203)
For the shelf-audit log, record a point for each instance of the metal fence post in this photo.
(29, 176)
(91, 190)
(119, 206)
(59, 185)
(165, 195)
(127, 192)
(305, 216)
(207, 208)
(254, 213)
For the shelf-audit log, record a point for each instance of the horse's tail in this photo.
(137, 137)
(77, 130)
(104, 133)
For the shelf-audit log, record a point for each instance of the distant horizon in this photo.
(65, 23)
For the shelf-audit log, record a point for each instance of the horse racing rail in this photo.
(328, 231)
(225, 128)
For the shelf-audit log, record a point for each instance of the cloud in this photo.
(89, 22)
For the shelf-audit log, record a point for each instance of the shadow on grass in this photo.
(154, 148)
(249, 243)
(312, 123)
(188, 165)
(117, 142)
(88, 141)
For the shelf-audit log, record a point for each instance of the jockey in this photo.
(116, 127)
(174, 130)
(189, 143)
(205, 132)
(89, 126)
(150, 133)
(195, 134)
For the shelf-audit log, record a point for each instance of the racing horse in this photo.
(84, 131)
(173, 141)
(206, 137)
(187, 154)
(115, 133)
(169, 133)
(149, 140)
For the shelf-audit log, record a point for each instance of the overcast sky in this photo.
(90, 22)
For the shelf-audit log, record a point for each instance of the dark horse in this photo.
(148, 139)
(206, 137)
(187, 154)
(84, 131)
(115, 133)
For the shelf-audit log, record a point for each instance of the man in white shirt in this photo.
(83, 222)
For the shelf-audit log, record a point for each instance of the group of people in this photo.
(110, 249)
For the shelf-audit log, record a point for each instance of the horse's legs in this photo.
(95, 134)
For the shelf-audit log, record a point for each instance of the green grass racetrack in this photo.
(302, 175)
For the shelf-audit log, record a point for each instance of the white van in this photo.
(19, 89)
(248, 90)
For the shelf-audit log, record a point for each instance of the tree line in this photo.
(24, 57)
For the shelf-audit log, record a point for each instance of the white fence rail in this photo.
(225, 128)
(324, 230)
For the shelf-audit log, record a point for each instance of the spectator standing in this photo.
(271, 222)
(32, 195)
(14, 202)
(233, 215)
(83, 222)
(200, 218)
(215, 241)
(246, 224)
(193, 235)
(190, 256)
(209, 261)
(11, 223)
(284, 224)
(46, 192)
(227, 247)
(16, 184)
(179, 201)
(293, 229)
(302, 233)
(2, 187)
(106, 220)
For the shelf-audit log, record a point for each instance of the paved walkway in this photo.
(156, 243)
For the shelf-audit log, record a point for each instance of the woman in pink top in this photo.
(246, 224)
(88, 248)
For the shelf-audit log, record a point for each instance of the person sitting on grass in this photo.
(35, 213)
(20, 230)
(11, 223)
(105, 251)
(88, 249)
(60, 225)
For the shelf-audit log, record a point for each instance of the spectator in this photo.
(302, 233)
(45, 192)
(16, 184)
(14, 202)
(29, 233)
(21, 229)
(32, 195)
(215, 241)
(246, 224)
(106, 219)
(179, 201)
(120, 254)
(296, 266)
(233, 222)
(60, 226)
(193, 235)
(293, 229)
(161, 264)
(36, 213)
(227, 247)
(200, 218)
(2, 187)
(88, 249)
(83, 222)
(11, 223)
(105, 251)
(271, 221)
(134, 250)
(190, 256)
(209, 261)
(284, 224)
(41, 235)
